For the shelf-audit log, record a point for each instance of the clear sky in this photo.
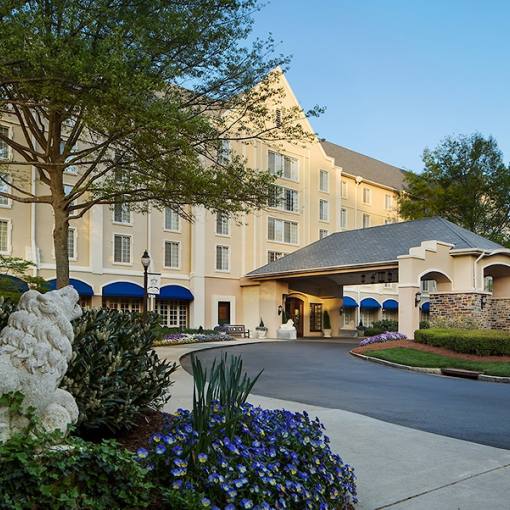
(397, 75)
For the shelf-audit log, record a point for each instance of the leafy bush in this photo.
(277, 459)
(161, 331)
(326, 320)
(7, 306)
(115, 374)
(483, 342)
(424, 325)
(381, 326)
(388, 336)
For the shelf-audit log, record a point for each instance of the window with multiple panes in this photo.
(71, 243)
(283, 198)
(172, 314)
(132, 305)
(366, 220)
(367, 195)
(344, 189)
(4, 147)
(323, 210)
(274, 255)
(282, 231)
(343, 217)
(4, 236)
(172, 220)
(172, 254)
(324, 180)
(122, 249)
(388, 201)
(283, 166)
(5, 188)
(222, 258)
(428, 286)
(222, 224)
(315, 317)
(121, 213)
(323, 233)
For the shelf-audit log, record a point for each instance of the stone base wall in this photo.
(500, 316)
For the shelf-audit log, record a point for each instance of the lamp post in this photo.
(146, 260)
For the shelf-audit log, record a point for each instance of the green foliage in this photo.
(326, 321)
(483, 342)
(161, 331)
(7, 306)
(226, 384)
(18, 268)
(381, 326)
(424, 325)
(115, 374)
(465, 181)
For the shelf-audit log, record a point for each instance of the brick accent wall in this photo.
(500, 316)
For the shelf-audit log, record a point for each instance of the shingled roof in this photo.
(369, 168)
(375, 244)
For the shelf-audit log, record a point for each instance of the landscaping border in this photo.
(424, 370)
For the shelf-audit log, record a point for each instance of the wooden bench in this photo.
(236, 330)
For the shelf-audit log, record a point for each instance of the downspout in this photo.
(359, 180)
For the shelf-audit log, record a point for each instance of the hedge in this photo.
(483, 342)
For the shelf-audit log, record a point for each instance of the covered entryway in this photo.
(294, 309)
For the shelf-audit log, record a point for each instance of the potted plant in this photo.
(360, 328)
(326, 325)
(261, 329)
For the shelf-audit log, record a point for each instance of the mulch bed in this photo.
(428, 348)
(148, 424)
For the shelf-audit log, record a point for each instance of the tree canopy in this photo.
(141, 98)
(465, 180)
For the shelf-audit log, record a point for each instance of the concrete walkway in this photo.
(397, 467)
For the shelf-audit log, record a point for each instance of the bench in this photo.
(236, 330)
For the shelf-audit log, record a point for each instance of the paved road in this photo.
(326, 375)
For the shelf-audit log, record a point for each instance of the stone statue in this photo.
(35, 348)
(288, 325)
(287, 331)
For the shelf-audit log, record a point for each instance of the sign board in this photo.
(153, 283)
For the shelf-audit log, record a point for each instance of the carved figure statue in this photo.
(288, 325)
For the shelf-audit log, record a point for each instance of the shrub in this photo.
(326, 320)
(424, 325)
(381, 326)
(483, 342)
(115, 374)
(7, 306)
(388, 336)
(277, 459)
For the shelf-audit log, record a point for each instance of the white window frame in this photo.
(344, 189)
(280, 253)
(8, 189)
(322, 173)
(130, 263)
(9, 148)
(8, 251)
(280, 206)
(388, 204)
(282, 174)
(125, 223)
(321, 231)
(74, 231)
(369, 195)
(179, 248)
(343, 218)
(179, 223)
(216, 258)
(283, 231)
(221, 234)
(365, 215)
(323, 208)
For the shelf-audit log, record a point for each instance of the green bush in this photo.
(483, 342)
(326, 320)
(424, 325)
(7, 306)
(115, 374)
(381, 326)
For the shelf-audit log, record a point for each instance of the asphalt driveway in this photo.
(326, 375)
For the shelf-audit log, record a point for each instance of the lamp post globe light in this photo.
(146, 261)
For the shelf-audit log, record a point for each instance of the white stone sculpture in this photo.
(35, 348)
(287, 331)
(288, 325)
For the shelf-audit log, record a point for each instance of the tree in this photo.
(140, 97)
(14, 269)
(465, 180)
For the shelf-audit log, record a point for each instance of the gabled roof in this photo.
(384, 243)
(369, 168)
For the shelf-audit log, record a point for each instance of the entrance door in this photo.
(294, 310)
(223, 312)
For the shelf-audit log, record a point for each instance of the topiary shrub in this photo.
(326, 320)
(483, 342)
(115, 374)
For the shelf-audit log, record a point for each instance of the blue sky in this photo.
(397, 76)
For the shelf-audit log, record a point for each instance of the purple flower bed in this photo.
(191, 338)
(276, 460)
(388, 336)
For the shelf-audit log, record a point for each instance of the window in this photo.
(274, 255)
(222, 258)
(322, 233)
(4, 236)
(173, 314)
(121, 213)
(172, 254)
(4, 201)
(367, 195)
(344, 189)
(388, 201)
(222, 224)
(285, 199)
(127, 305)
(282, 231)
(488, 284)
(324, 181)
(283, 166)
(278, 118)
(323, 210)
(428, 286)
(315, 317)
(348, 319)
(343, 218)
(4, 146)
(224, 152)
(366, 221)
(71, 243)
(121, 249)
(172, 220)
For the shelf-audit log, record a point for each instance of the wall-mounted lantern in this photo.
(417, 298)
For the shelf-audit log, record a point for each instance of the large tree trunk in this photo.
(60, 240)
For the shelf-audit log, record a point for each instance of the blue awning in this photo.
(425, 307)
(13, 283)
(175, 292)
(349, 302)
(123, 289)
(369, 304)
(83, 289)
(391, 305)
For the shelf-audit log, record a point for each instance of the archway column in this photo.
(408, 312)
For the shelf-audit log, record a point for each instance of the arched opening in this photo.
(369, 311)
(294, 309)
(172, 305)
(497, 280)
(123, 296)
(434, 281)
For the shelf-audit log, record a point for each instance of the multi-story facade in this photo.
(322, 188)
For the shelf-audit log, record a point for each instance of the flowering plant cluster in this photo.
(387, 336)
(191, 338)
(276, 460)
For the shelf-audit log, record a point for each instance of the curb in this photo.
(432, 371)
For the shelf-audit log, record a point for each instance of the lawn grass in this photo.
(415, 358)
